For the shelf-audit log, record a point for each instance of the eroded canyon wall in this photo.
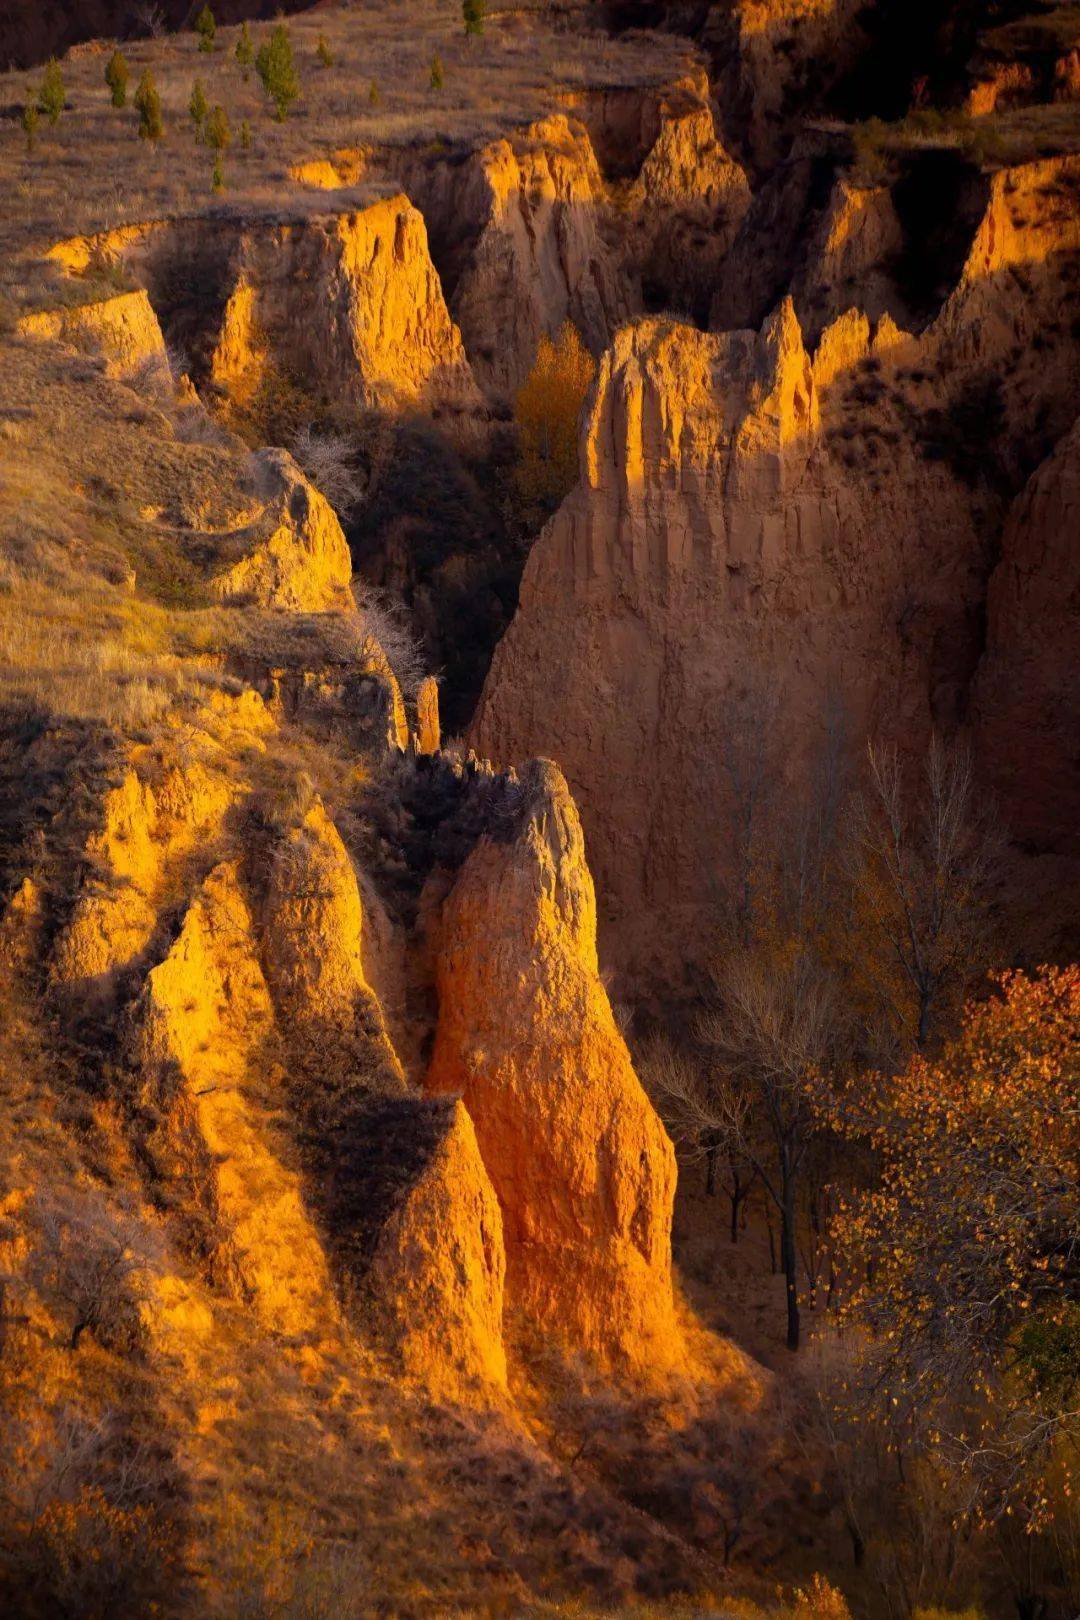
(745, 512)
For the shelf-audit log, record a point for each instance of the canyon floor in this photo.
(445, 532)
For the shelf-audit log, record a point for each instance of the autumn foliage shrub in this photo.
(546, 411)
(968, 1246)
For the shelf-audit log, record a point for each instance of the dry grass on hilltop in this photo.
(92, 172)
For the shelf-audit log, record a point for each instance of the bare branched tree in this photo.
(94, 1262)
(329, 460)
(387, 627)
(150, 17)
(774, 1030)
(924, 864)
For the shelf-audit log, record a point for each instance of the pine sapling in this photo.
(148, 106)
(436, 72)
(30, 120)
(245, 51)
(116, 77)
(216, 132)
(198, 108)
(277, 70)
(206, 28)
(52, 98)
(323, 53)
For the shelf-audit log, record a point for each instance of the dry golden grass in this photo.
(91, 171)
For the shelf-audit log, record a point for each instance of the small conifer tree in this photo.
(216, 133)
(473, 12)
(374, 95)
(436, 72)
(30, 120)
(206, 28)
(198, 107)
(148, 105)
(277, 70)
(245, 50)
(245, 135)
(217, 177)
(324, 53)
(116, 77)
(52, 98)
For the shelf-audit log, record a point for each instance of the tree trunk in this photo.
(790, 1261)
(710, 1172)
(858, 1545)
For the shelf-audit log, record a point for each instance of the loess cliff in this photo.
(361, 840)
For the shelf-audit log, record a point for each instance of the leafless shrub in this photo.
(150, 17)
(329, 460)
(153, 377)
(924, 863)
(386, 626)
(94, 1263)
(193, 424)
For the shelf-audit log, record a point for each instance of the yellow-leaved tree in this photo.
(966, 1255)
(546, 411)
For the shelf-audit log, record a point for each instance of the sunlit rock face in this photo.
(207, 1034)
(352, 299)
(540, 257)
(122, 330)
(583, 1169)
(259, 1029)
(744, 508)
(294, 555)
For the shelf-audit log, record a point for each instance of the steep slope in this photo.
(582, 1166)
(736, 512)
(539, 227)
(1026, 694)
(351, 298)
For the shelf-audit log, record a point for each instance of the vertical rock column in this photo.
(581, 1164)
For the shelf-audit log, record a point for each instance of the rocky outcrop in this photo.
(545, 226)
(540, 257)
(294, 556)
(352, 299)
(206, 1026)
(313, 920)
(582, 1167)
(718, 530)
(343, 167)
(427, 717)
(349, 297)
(1030, 219)
(686, 205)
(435, 1282)
(406, 1230)
(850, 256)
(776, 59)
(123, 330)
(147, 832)
(1027, 693)
(1006, 84)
